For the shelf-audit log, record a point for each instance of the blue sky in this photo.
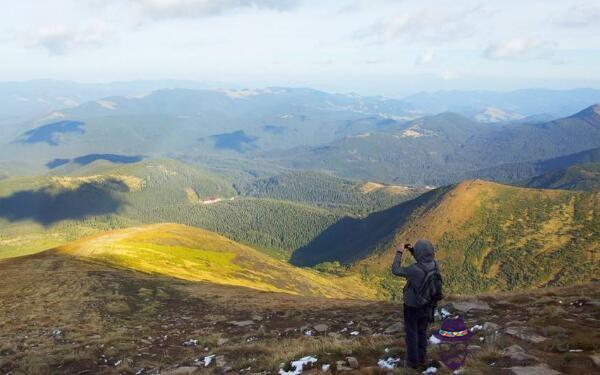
(389, 47)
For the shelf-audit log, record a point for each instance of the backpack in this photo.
(430, 290)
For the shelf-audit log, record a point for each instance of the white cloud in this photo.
(434, 25)
(518, 48)
(580, 16)
(59, 39)
(200, 8)
(425, 58)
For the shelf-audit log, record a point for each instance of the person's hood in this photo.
(423, 251)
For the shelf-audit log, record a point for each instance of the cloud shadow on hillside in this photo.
(90, 158)
(48, 133)
(48, 205)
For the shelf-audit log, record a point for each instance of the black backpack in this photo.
(429, 292)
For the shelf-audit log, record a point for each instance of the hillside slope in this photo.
(188, 253)
(68, 314)
(578, 177)
(516, 172)
(488, 237)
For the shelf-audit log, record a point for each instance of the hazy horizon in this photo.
(369, 47)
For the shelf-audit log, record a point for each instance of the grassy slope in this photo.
(496, 237)
(75, 315)
(194, 254)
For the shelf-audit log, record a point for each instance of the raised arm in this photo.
(397, 268)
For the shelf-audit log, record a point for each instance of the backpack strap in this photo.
(425, 272)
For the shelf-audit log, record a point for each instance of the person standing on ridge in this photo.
(421, 293)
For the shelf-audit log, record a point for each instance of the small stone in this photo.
(352, 362)
(394, 328)
(541, 369)
(184, 370)
(220, 361)
(222, 341)
(321, 327)
(242, 323)
(473, 348)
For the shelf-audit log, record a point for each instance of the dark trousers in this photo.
(416, 322)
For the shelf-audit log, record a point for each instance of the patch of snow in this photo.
(576, 350)
(190, 342)
(118, 362)
(389, 363)
(208, 360)
(308, 333)
(430, 370)
(325, 368)
(434, 340)
(354, 333)
(286, 116)
(298, 365)
(476, 328)
(411, 133)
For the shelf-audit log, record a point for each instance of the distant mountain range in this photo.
(366, 138)
(445, 148)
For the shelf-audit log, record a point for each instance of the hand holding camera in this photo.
(407, 246)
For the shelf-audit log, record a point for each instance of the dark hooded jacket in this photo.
(423, 253)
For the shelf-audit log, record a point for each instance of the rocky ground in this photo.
(60, 315)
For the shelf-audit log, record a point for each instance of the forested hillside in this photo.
(329, 191)
(277, 227)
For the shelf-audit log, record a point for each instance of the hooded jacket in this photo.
(423, 253)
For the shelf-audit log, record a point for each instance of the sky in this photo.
(375, 47)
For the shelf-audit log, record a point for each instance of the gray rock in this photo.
(596, 359)
(471, 305)
(220, 361)
(222, 341)
(184, 370)
(473, 348)
(394, 328)
(490, 327)
(541, 369)
(321, 327)
(352, 362)
(517, 353)
(525, 334)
